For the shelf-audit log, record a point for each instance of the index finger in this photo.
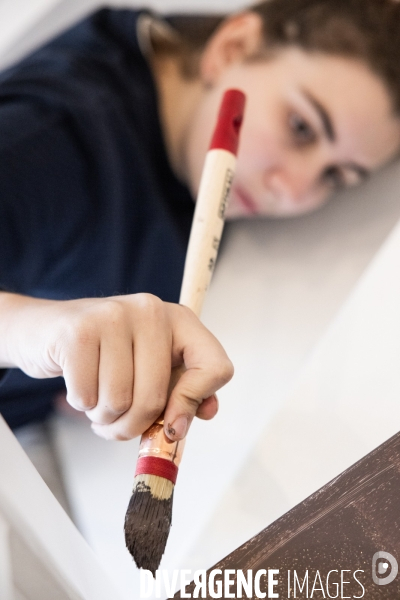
(208, 368)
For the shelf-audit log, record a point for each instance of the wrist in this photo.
(13, 310)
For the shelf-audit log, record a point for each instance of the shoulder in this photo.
(99, 49)
(93, 66)
(103, 28)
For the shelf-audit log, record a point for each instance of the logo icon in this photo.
(384, 568)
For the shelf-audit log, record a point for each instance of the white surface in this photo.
(43, 535)
(344, 404)
(277, 287)
(6, 582)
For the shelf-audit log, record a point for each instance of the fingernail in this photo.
(178, 428)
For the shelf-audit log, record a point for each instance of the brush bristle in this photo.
(148, 520)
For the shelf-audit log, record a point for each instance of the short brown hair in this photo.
(368, 30)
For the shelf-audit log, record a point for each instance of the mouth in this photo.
(246, 202)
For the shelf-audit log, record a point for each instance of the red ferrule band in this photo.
(151, 465)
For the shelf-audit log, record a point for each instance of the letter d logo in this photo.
(384, 563)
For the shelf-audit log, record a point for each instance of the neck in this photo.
(178, 99)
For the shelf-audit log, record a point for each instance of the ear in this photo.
(238, 38)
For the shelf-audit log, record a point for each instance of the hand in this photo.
(116, 356)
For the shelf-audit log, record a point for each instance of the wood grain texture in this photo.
(341, 526)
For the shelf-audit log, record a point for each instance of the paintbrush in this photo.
(148, 517)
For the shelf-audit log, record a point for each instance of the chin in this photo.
(234, 213)
(241, 217)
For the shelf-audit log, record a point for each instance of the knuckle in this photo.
(185, 310)
(83, 402)
(120, 436)
(125, 431)
(192, 404)
(120, 404)
(149, 304)
(111, 434)
(186, 313)
(187, 397)
(226, 370)
(221, 371)
(152, 413)
(111, 310)
(121, 429)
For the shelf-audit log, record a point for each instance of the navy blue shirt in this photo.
(89, 205)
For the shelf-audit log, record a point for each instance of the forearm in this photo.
(14, 309)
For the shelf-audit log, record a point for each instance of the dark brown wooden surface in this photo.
(341, 526)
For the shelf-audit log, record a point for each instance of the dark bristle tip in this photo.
(147, 525)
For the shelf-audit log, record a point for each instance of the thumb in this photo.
(186, 400)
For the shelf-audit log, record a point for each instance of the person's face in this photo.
(314, 123)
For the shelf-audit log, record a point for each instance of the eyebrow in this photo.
(330, 133)
(323, 115)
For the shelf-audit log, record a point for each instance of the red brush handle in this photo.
(230, 117)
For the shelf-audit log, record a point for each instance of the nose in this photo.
(292, 184)
(287, 186)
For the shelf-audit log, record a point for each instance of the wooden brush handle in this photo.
(207, 226)
(205, 236)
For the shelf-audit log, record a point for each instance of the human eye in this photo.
(334, 178)
(338, 178)
(301, 130)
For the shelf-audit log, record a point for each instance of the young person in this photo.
(103, 136)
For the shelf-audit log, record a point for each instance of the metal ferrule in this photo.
(155, 443)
